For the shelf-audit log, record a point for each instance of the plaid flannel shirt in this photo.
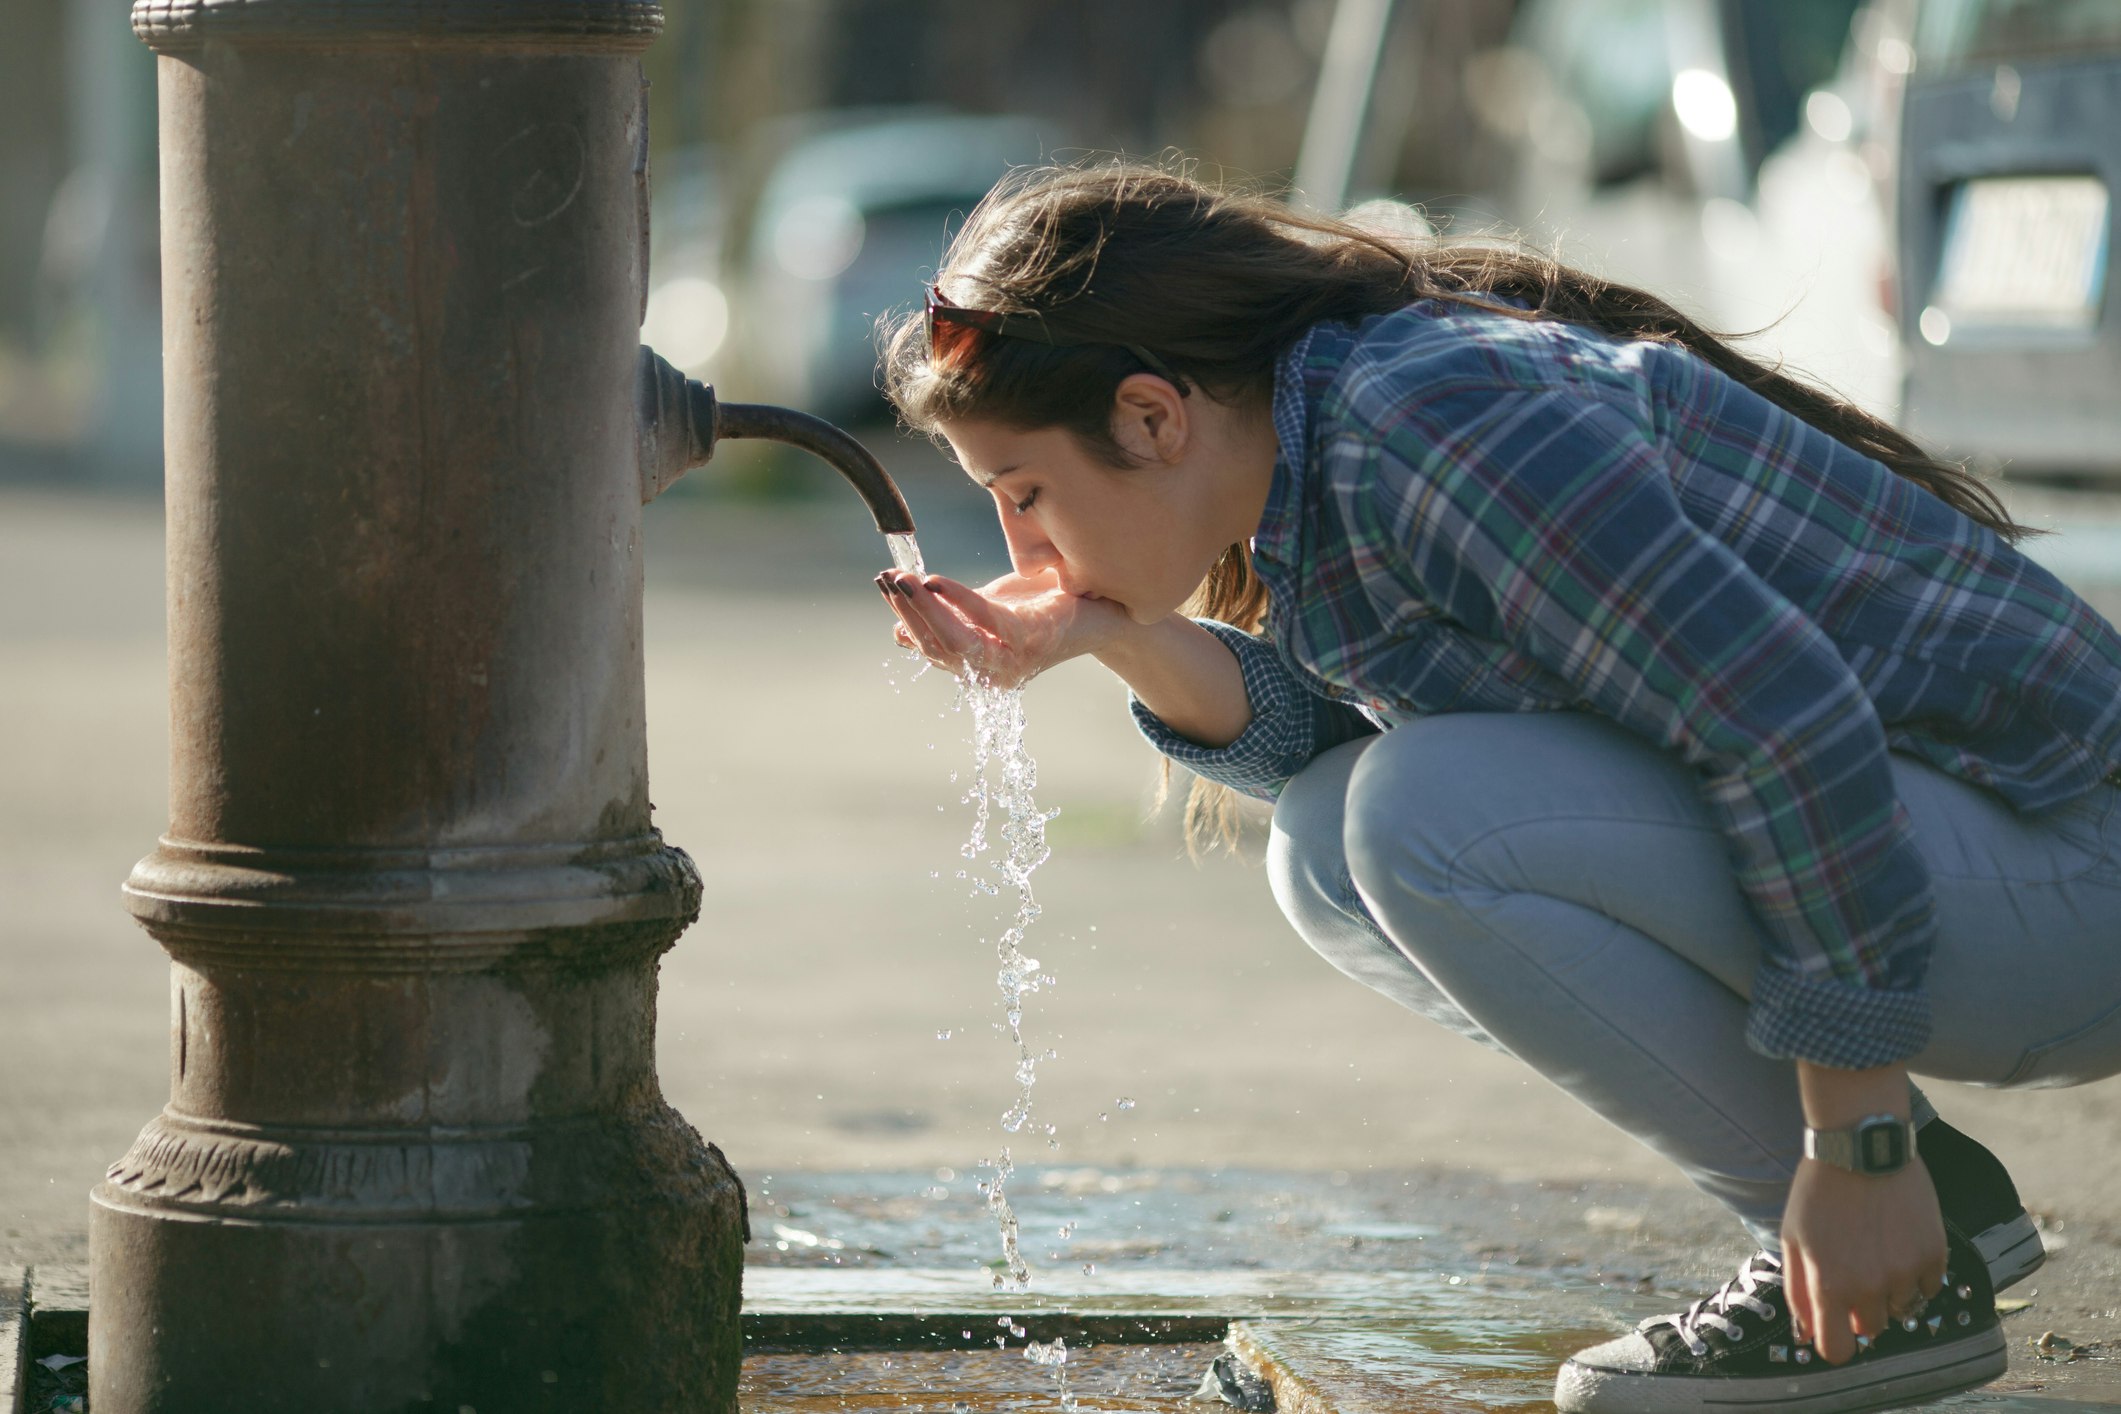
(1472, 512)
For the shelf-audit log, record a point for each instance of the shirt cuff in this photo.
(1828, 1022)
(1260, 761)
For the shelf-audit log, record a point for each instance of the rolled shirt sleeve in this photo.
(1290, 723)
(1547, 520)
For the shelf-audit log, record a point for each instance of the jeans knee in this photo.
(1400, 823)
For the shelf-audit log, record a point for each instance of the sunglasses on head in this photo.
(951, 328)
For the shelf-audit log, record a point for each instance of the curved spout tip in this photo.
(846, 455)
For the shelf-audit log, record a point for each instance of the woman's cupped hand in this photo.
(1005, 632)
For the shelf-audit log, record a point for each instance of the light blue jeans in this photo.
(1551, 885)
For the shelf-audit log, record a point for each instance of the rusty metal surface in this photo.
(416, 1152)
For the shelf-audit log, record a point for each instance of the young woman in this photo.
(1626, 705)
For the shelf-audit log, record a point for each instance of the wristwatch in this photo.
(1876, 1144)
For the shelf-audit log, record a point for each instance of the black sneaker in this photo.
(1977, 1197)
(1733, 1351)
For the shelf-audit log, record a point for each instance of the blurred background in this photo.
(1906, 199)
(1744, 157)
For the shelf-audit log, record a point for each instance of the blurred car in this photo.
(2010, 147)
(1698, 91)
(850, 223)
(1730, 155)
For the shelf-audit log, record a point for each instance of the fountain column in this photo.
(415, 1154)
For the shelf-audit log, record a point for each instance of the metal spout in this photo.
(681, 420)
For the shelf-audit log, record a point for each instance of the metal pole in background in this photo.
(1340, 105)
(415, 1155)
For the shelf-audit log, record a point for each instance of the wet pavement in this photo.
(1149, 1378)
(1355, 1293)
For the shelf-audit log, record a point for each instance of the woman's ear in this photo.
(1149, 419)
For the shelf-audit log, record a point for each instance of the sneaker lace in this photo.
(1762, 1273)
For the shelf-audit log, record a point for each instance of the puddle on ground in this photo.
(1362, 1367)
(1108, 1377)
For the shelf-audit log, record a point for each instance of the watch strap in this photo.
(1875, 1144)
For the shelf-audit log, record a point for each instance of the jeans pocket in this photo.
(2090, 1052)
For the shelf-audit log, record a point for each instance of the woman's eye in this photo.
(1026, 503)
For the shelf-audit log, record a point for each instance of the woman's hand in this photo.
(1007, 631)
(1857, 1247)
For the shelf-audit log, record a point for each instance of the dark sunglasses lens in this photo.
(948, 341)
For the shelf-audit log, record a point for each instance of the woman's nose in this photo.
(1030, 552)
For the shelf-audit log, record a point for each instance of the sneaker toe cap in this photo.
(1631, 1354)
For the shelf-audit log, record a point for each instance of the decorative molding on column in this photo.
(319, 906)
(556, 26)
(204, 1168)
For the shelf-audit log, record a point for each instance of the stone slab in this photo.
(58, 1311)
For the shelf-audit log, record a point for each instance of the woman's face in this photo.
(1144, 536)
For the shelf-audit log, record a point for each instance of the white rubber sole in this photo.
(2012, 1251)
(1886, 1383)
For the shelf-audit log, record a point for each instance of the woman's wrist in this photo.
(1131, 649)
(1184, 675)
(1837, 1099)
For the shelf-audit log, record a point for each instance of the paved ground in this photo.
(800, 1017)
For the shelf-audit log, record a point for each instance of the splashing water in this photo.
(1004, 777)
(1054, 1355)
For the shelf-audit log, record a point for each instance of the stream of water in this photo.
(1005, 846)
(1003, 784)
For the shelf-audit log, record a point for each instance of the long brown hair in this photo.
(1218, 282)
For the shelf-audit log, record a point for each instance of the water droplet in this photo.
(1124, 1102)
(1054, 1352)
(1089, 1269)
(942, 1035)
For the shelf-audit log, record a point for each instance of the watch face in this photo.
(1881, 1148)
